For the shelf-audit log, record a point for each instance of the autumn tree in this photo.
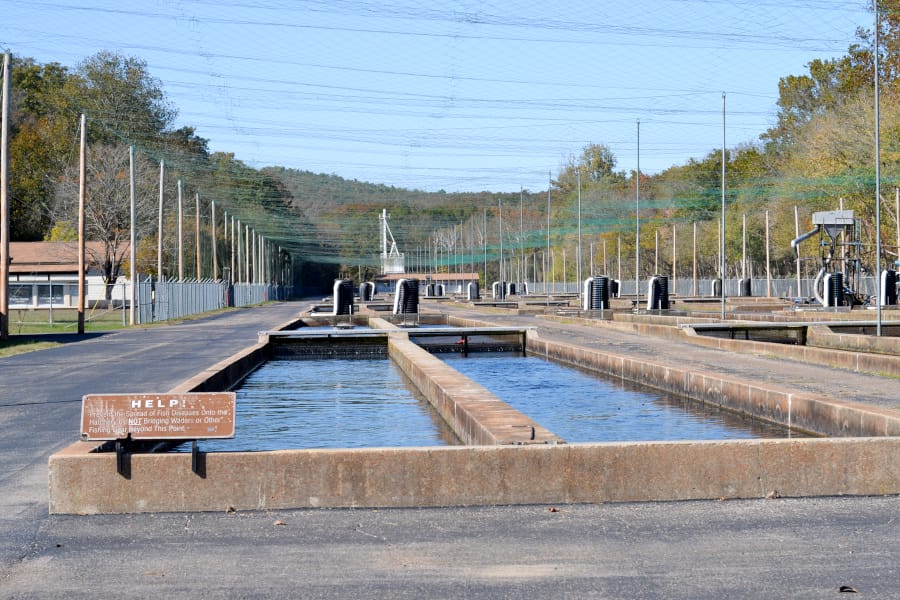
(108, 205)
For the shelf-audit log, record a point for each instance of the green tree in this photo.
(122, 100)
(40, 144)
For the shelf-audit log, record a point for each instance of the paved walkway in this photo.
(826, 382)
(785, 548)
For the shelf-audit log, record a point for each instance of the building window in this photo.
(21, 295)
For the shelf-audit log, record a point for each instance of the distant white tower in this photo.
(391, 259)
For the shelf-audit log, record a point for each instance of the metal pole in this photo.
(180, 234)
(484, 244)
(619, 257)
(81, 202)
(578, 258)
(744, 246)
(159, 231)
(674, 259)
(132, 254)
(4, 202)
(656, 252)
(722, 241)
(500, 229)
(605, 268)
(549, 184)
(197, 244)
(231, 274)
(524, 260)
(694, 282)
(215, 252)
(796, 235)
(877, 175)
(637, 220)
(768, 261)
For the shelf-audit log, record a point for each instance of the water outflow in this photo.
(406, 299)
(596, 293)
(343, 297)
(331, 403)
(585, 407)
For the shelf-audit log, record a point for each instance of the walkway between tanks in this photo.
(825, 382)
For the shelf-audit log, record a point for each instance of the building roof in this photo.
(51, 257)
(432, 276)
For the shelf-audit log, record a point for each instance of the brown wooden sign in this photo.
(193, 416)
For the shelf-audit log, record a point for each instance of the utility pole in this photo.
(637, 218)
(81, 202)
(132, 248)
(578, 258)
(159, 231)
(722, 241)
(549, 185)
(180, 234)
(215, 253)
(4, 202)
(197, 235)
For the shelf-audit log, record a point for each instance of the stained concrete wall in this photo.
(476, 415)
(617, 472)
(759, 399)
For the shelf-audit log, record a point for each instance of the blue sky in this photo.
(462, 95)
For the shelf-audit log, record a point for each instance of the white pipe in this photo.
(796, 241)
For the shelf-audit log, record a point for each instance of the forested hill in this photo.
(346, 211)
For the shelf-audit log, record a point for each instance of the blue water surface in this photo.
(331, 403)
(586, 407)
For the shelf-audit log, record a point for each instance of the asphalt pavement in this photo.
(778, 548)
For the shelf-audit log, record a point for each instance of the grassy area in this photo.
(14, 346)
(23, 321)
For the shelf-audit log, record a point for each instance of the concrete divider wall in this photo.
(763, 401)
(815, 352)
(485, 475)
(824, 337)
(476, 415)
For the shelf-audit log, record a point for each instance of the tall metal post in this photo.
(212, 231)
(232, 277)
(549, 185)
(578, 258)
(694, 270)
(877, 173)
(722, 241)
(768, 260)
(637, 220)
(132, 248)
(674, 260)
(524, 260)
(197, 245)
(484, 243)
(180, 234)
(4, 201)
(500, 229)
(159, 230)
(81, 202)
